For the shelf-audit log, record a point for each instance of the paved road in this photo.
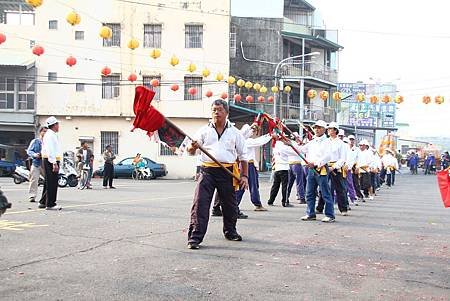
(130, 244)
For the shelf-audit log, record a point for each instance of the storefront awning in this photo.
(8, 59)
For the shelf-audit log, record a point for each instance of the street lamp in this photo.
(276, 75)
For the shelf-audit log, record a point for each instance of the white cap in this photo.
(351, 137)
(320, 123)
(346, 140)
(333, 125)
(364, 142)
(51, 121)
(341, 132)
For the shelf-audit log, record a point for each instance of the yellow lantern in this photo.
(191, 67)
(133, 44)
(287, 89)
(275, 89)
(426, 99)
(206, 72)
(231, 80)
(263, 90)
(248, 85)
(106, 32)
(387, 99)
(257, 87)
(155, 53)
(324, 95)
(219, 77)
(373, 99)
(73, 18)
(439, 100)
(311, 93)
(240, 83)
(337, 96)
(398, 99)
(34, 3)
(174, 61)
(360, 97)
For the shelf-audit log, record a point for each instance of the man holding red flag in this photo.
(225, 143)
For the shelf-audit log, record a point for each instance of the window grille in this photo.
(110, 138)
(146, 79)
(193, 82)
(152, 35)
(114, 41)
(111, 86)
(194, 36)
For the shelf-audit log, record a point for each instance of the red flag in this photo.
(151, 120)
(444, 186)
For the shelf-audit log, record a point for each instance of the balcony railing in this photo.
(294, 69)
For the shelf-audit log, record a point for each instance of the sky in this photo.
(406, 42)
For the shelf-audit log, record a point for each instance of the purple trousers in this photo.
(350, 187)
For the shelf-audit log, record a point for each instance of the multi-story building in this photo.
(270, 43)
(17, 79)
(99, 109)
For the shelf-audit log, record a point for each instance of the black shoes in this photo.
(302, 201)
(193, 246)
(270, 203)
(233, 237)
(241, 215)
(287, 205)
(42, 206)
(112, 187)
(216, 212)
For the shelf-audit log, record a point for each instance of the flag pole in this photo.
(203, 150)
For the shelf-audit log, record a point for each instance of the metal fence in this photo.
(294, 69)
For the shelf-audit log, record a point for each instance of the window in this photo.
(110, 138)
(146, 82)
(165, 151)
(26, 94)
(7, 93)
(192, 82)
(79, 87)
(53, 24)
(114, 41)
(194, 36)
(19, 18)
(233, 42)
(152, 35)
(32, 43)
(111, 86)
(52, 76)
(79, 35)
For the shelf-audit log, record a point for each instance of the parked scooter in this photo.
(22, 174)
(70, 173)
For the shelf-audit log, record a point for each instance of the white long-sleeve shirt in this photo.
(389, 162)
(281, 155)
(227, 148)
(253, 144)
(51, 148)
(318, 150)
(376, 162)
(364, 160)
(338, 152)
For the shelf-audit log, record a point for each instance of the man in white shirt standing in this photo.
(338, 157)
(296, 172)
(363, 164)
(390, 165)
(280, 156)
(51, 153)
(223, 141)
(318, 154)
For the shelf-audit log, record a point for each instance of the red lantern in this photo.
(237, 98)
(106, 71)
(426, 99)
(224, 95)
(249, 98)
(71, 61)
(174, 88)
(132, 77)
(261, 99)
(192, 91)
(270, 99)
(154, 82)
(38, 50)
(209, 93)
(2, 38)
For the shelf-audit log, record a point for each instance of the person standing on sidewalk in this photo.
(51, 153)
(34, 151)
(108, 169)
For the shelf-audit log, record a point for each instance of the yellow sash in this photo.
(342, 170)
(235, 171)
(295, 162)
(322, 171)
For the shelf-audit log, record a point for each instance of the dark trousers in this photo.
(337, 186)
(389, 179)
(108, 174)
(357, 186)
(280, 177)
(210, 179)
(51, 185)
(296, 175)
(393, 178)
(253, 187)
(365, 183)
